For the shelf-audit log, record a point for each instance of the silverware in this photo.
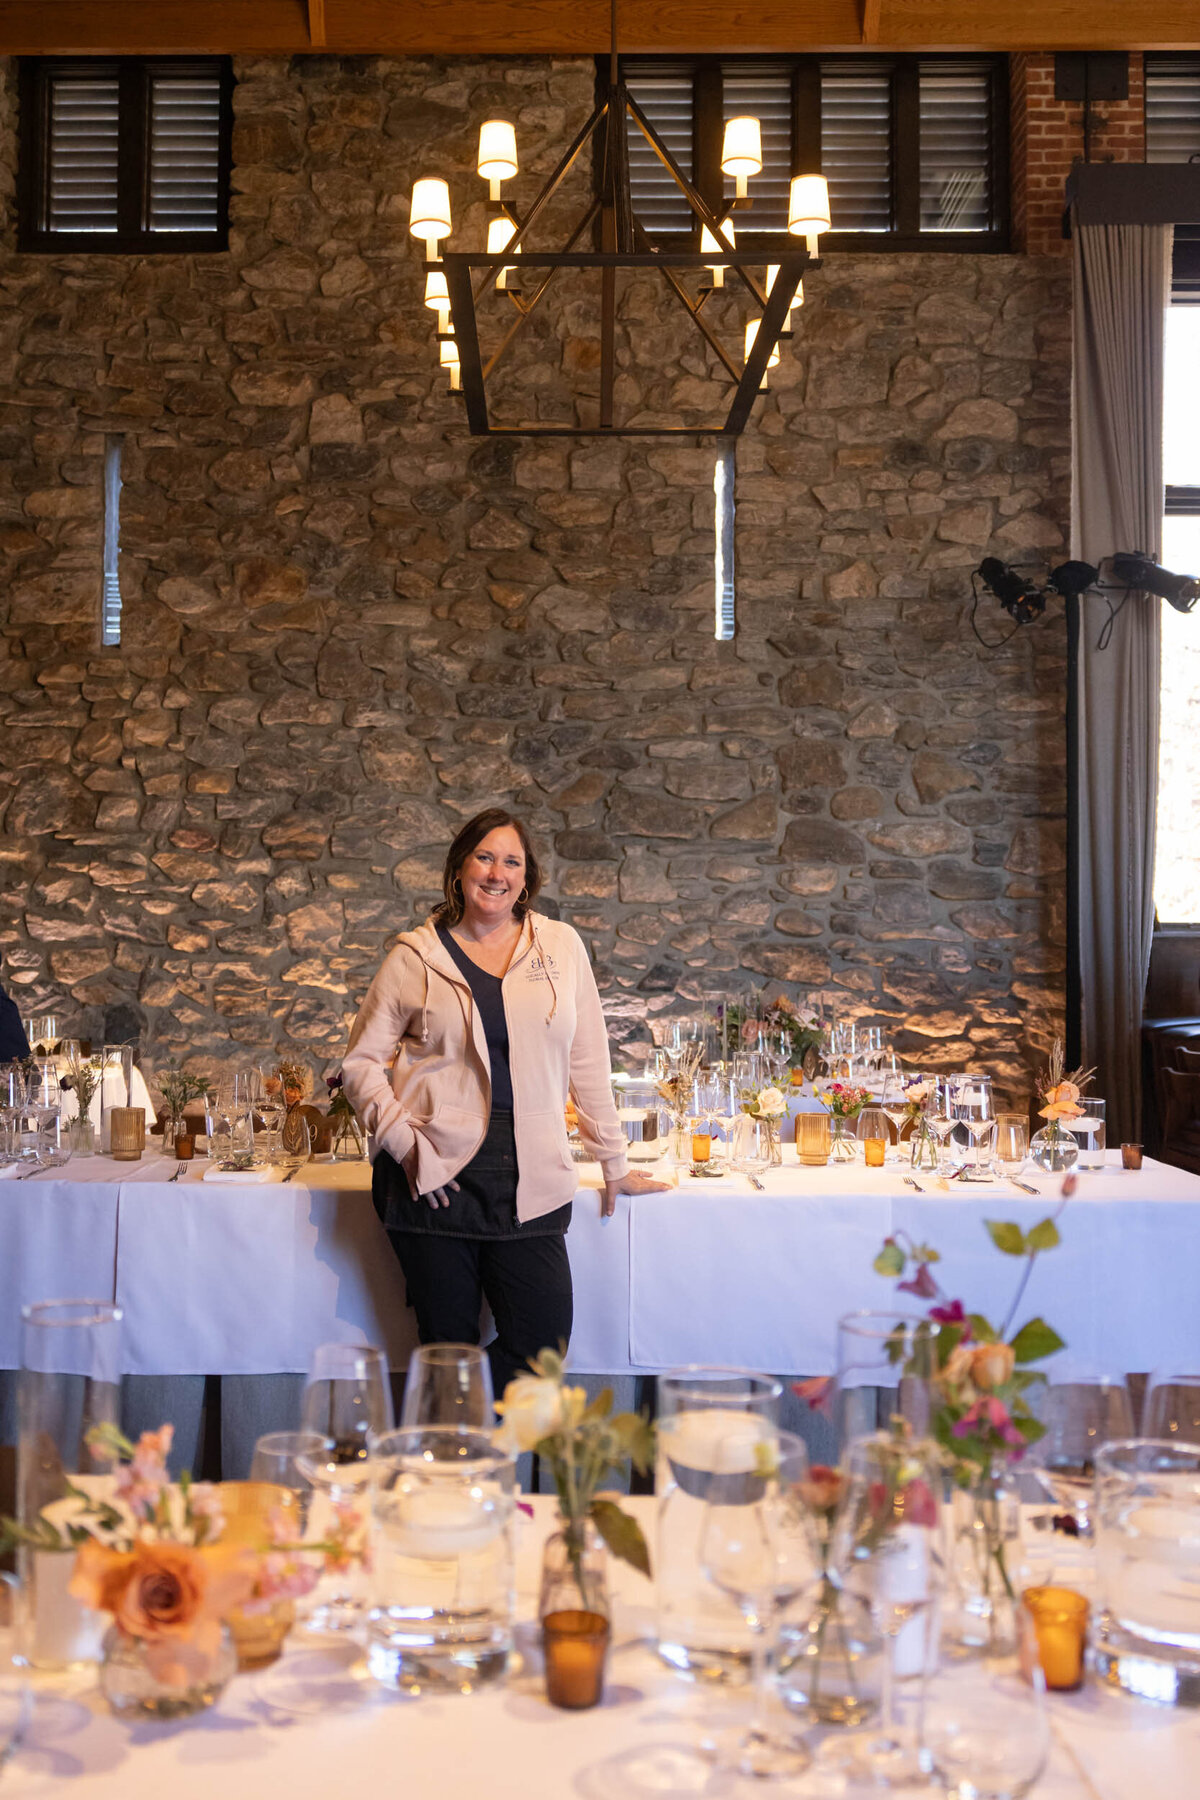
(36, 1170)
(1024, 1187)
(755, 1182)
(909, 1182)
(294, 1171)
(179, 1168)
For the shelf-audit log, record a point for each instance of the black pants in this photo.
(526, 1282)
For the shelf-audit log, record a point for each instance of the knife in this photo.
(1025, 1187)
(755, 1182)
(294, 1171)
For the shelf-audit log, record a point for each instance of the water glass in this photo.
(986, 1734)
(637, 1109)
(1171, 1408)
(449, 1384)
(1080, 1415)
(16, 1695)
(442, 1504)
(973, 1108)
(895, 1352)
(1089, 1131)
(1012, 1142)
(1147, 1636)
(751, 1145)
(348, 1398)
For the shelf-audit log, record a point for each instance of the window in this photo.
(1172, 108)
(1177, 866)
(914, 148)
(126, 155)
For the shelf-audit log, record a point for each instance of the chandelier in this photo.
(465, 287)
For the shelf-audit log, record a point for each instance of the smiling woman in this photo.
(476, 1031)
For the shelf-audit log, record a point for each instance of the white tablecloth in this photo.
(507, 1742)
(232, 1280)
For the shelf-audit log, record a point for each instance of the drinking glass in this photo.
(268, 1104)
(886, 1365)
(751, 1145)
(986, 1734)
(281, 1458)
(973, 1108)
(755, 1546)
(939, 1114)
(749, 1070)
(1012, 1142)
(449, 1384)
(843, 1045)
(348, 1404)
(1146, 1636)
(884, 1551)
(637, 1109)
(1171, 1409)
(894, 1103)
(16, 1695)
(12, 1108)
(873, 1135)
(1080, 1415)
(1089, 1132)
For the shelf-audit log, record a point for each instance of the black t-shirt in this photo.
(486, 992)
(14, 1045)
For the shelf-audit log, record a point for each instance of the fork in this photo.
(909, 1182)
(179, 1168)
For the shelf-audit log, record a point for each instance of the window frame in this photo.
(132, 237)
(904, 68)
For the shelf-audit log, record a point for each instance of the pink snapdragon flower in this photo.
(989, 1411)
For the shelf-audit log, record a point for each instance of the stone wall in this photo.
(347, 624)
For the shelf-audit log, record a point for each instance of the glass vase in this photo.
(830, 1665)
(774, 1144)
(81, 1136)
(131, 1686)
(347, 1145)
(574, 1611)
(981, 1605)
(923, 1150)
(1054, 1149)
(842, 1146)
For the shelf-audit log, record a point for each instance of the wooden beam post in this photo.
(871, 10)
(316, 24)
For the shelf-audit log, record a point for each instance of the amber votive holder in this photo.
(701, 1146)
(249, 1508)
(874, 1151)
(127, 1133)
(185, 1146)
(1131, 1156)
(1060, 1617)
(812, 1139)
(575, 1648)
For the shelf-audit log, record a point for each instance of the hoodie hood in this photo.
(427, 946)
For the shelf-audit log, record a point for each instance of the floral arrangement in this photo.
(1059, 1093)
(676, 1090)
(764, 1103)
(844, 1100)
(582, 1441)
(296, 1080)
(918, 1091)
(339, 1106)
(802, 1036)
(83, 1078)
(177, 1088)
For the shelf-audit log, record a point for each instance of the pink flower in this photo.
(920, 1507)
(989, 1412)
(816, 1392)
(283, 1575)
(953, 1313)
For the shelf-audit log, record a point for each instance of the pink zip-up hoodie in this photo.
(418, 1075)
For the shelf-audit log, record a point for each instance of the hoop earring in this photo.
(523, 896)
(456, 887)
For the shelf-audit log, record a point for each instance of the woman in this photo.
(477, 1029)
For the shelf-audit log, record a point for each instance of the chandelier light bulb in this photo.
(497, 153)
(709, 242)
(772, 360)
(797, 297)
(500, 235)
(808, 209)
(430, 215)
(741, 152)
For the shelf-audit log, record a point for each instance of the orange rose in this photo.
(1062, 1102)
(958, 1365)
(992, 1365)
(172, 1596)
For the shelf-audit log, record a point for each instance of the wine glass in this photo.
(268, 1104)
(939, 1113)
(1172, 1407)
(12, 1107)
(973, 1108)
(894, 1103)
(985, 1734)
(1080, 1416)
(347, 1404)
(755, 1545)
(281, 1457)
(16, 1695)
(448, 1384)
(886, 1364)
(884, 1551)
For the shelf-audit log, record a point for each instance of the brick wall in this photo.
(1048, 139)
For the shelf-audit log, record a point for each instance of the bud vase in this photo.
(574, 1611)
(774, 1144)
(1053, 1149)
(923, 1150)
(841, 1145)
(130, 1685)
(981, 1608)
(830, 1664)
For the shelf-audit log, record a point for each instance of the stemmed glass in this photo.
(12, 1107)
(448, 1384)
(939, 1114)
(843, 1048)
(973, 1108)
(347, 1404)
(43, 1104)
(885, 1552)
(1172, 1407)
(894, 1104)
(755, 1545)
(1080, 1415)
(268, 1104)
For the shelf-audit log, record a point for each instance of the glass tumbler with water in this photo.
(637, 1109)
(1148, 1556)
(705, 1416)
(1089, 1132)
(442, 1509)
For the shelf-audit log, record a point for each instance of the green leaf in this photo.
(926, 1253)
(897, 1344)
(601, 1406)
(949, 1338)
(1035, 1340)
(622, 1534)
(1044, 1236)
(890, 1261)
(981, 1331)
(1007, 1237)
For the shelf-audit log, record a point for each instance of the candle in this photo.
(701, 1146)
(1060, 1628)
(437, 1524)
(574, 1645)
(1131, 1156)
(873, 1152)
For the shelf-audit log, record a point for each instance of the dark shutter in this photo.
(766, 94)
(856, 145)
(81, 153)
(665, 96)
(185, 152)
(956, 147)
(1172, 108)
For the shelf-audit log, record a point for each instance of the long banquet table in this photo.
(314, 1726)
(234, 1279)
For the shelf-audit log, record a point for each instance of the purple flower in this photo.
(922, 1284)
(952, 1314)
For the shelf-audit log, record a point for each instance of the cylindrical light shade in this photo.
(751, 334)
(797, 298)
(448, 353)
(709, 242)
(497, 150)
(437, 294)
(808, 205)
(741, 153)
(430, 217)
(500, 235)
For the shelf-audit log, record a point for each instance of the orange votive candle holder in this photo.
(1060, 1617)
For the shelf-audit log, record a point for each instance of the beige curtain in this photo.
(1122, 290)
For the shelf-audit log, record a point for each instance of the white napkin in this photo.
(246, 1176)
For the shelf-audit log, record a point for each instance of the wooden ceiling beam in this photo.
(580, 27)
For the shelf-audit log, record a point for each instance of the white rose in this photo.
(917, 1090)
(532, 1408)
(771, 1103)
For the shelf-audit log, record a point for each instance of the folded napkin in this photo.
(246, 1176)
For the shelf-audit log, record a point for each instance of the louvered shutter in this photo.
(956, 147)
(856, 145)
(665, 96)
(764, 93)
(1172, 108)
(184, 149)
(81, 153)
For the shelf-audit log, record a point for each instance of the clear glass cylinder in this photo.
(1147, 1639)
(979, 1616)
(886, 1366)
(69, 1382)
(442, 1509)
(701, 1630)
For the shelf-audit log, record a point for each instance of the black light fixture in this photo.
(1127, 572)
(1130, 569)
(1071, 579)
(1023, 600)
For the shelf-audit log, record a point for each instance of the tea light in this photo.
(873, 1152)
(1131, 1156)
(701, 1146)
(1060, 1618)
(574, 1645)
(434, 1526)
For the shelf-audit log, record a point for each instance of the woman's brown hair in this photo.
(469, 838)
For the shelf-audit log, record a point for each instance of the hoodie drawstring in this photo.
(537, 944)
(425, 1004)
